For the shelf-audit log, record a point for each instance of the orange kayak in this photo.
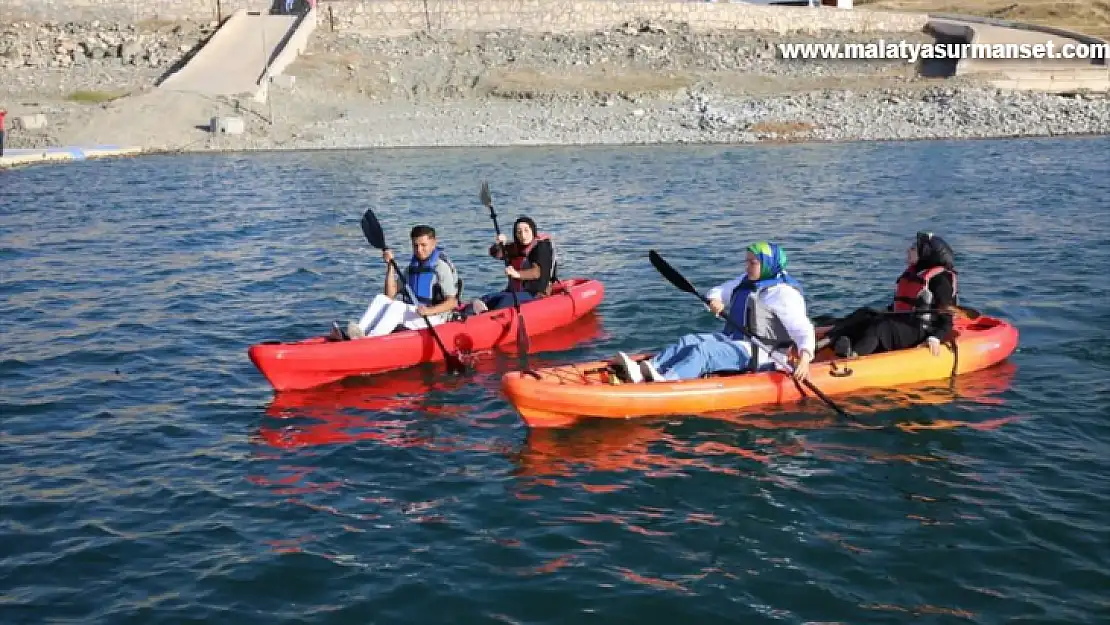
(559, 396)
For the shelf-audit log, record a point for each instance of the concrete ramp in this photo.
(1051, 75)
(243, 54)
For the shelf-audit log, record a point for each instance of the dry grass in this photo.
(95, 97)
(782, 129)
(1090, 17)
(743, 84)
(155, 25)
(530, 83)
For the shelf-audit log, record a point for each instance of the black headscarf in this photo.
(933, 251)
(531, 224)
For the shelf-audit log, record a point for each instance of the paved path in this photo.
(234, 60)
(1039, 74)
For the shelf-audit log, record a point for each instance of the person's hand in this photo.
(512, 272)
(716, 307)
(422, 311)
(387, 255)
(502, 239)
(934, 345)
(801, 370)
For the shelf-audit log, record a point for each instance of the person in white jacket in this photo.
(767, 300)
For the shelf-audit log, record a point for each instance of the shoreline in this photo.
(709, 144)
(141, 153)
(644, 84)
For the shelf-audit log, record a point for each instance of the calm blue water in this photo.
(150, 476)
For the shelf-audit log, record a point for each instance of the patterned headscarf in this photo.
(771, 257)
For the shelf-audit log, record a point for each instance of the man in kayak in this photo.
(925, 300)
(531, 267)
(767, 300)
(431, 276)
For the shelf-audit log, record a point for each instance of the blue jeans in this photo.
(695, 355)
(504, 299)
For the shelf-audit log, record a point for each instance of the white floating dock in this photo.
(20, 157)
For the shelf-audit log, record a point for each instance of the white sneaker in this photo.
(650, 372)
(633, 370)
(354, 331)
(478, 306)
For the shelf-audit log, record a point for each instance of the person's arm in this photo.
(540, 258)
(790, 307)
(390, 287)
(447, 283)
(723, 293)
(495, 249)
(944, 306)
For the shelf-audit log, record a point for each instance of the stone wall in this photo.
(122, 10)
(396, 17)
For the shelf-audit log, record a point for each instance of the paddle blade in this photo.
(522, 341)
(671, 274)
(484, 195)
(372, 230)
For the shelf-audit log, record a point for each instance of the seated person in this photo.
(771, 305)
(531, 267)
(924, 303)
(432, 278)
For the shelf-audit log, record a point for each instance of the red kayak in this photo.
(321, 360)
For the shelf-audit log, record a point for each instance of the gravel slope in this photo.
(636, 83)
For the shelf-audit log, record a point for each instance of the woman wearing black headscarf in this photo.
(530, 270)
(925, 300)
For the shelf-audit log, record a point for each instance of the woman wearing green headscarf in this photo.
(771, 305)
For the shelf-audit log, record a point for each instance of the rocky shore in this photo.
(634, 83)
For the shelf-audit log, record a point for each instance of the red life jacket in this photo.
(911, 292)
(519, 260)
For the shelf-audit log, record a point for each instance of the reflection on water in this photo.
(147, 454)
(380, 407)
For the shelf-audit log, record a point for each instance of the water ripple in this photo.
(151, 476)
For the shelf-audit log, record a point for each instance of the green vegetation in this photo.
(95, 97)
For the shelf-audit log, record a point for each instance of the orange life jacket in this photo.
(911, 292)
(519, 261)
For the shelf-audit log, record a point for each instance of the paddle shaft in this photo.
(504, 254)
(521, 331)
(681, 283)
(778, 358)
(412, 297)
(372, 230)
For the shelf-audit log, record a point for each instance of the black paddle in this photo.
(521, 331)
(373, 231)
(675, 278)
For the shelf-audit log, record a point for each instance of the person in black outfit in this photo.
(925, 301)
(531, 267)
